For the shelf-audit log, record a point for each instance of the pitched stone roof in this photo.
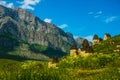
(108, 35)
(95, 37)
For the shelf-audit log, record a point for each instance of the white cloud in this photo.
(9, 5)
(110, 19)
(99, 12)
(89, 38)
(97, 16)
(90, 12)
(48, 20)
(27, 4)
(63, 26)
(75, 37)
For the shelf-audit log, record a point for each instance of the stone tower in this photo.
(95, 40)
(73, 51)
(107, 36)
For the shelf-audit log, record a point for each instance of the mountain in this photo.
(27, 27)
(79, 41)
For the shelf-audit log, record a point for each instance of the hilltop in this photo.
(108, 46)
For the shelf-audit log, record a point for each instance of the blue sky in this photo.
(82, 18)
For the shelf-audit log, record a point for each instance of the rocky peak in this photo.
(24, 15)
(7, 12)
(79, 41)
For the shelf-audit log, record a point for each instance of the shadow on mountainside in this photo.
(7, 44)
(47, 51)
(12, 57)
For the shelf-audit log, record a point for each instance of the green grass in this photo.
(93, 67)
(107, 46)
(4, 62)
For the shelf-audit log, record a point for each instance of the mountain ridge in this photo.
(26, 26)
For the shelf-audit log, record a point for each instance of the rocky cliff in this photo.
(24, 25)
(79, 42)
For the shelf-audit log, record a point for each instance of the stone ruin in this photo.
(86, 48)
(97, 40)
(107, 36)
(53, 62)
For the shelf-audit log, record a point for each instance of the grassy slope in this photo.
(69, 68)
(4, 62)
(107, 46)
